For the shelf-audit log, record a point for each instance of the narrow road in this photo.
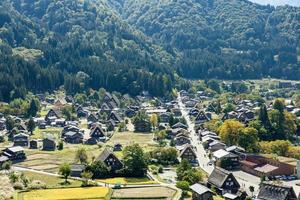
(245, 180)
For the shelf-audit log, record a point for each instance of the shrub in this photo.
(18, 186)
(160, 169)
(37, 184)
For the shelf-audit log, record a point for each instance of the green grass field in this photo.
(39, 133)
(126, 138)
(51, 181)
(50, 160)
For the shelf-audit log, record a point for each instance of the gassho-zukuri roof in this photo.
(200, 189)
(270, 191)
(218, 177)
(104, 155)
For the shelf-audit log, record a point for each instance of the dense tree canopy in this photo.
(130, 46)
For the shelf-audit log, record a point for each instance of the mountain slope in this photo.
(73, 36)
(221, 38)
(135, 45)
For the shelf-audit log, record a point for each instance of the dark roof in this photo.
(104, 155)
(270, 191)
(218, 177)
(187, 146)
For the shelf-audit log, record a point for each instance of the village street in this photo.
(245, 180)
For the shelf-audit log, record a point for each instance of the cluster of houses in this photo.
(224, 183)
(226, 158)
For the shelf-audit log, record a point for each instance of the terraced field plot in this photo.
(146, 193)
(100, 193)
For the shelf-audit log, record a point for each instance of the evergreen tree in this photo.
(31, 125)
(264, 118)
(33, 108)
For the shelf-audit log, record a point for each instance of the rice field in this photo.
(100, 193)
(127, 181)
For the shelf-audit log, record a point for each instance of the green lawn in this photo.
(39, 133)
(50, 160)
(51, 181)
(127, 138)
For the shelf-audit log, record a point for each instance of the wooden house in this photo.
(231, 159)
(15, 153)
(164, 117)
(216, 145)
(110, 159)
(270, 191)
(74, 137)
(33, 144)
(49, 143)
(52, 115)
(200, 192)
(143, 126)
(98, 133)
(180, 125)
(223, 181)
(21, 139)
(182, 139)
(188, 153)
(77, 170)
(201, 118)
(92, 118)
(115, 116)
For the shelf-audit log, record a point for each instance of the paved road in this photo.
(246, 180)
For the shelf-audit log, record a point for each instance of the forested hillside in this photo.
(135, 45)
(231, 39)
(45, 43)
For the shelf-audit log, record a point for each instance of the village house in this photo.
(92, 118)
(129, 112)
(164, 117)
(226, 159)
(188, 153)
(115, 116)
(52, 115)
(21, 139)
(216, 145)
(77, 170)
(3, 159)
(200, 192)
(179, 125)
(143, 126)
(33, 144)
(14, 154)
(193, 112)
(182, 139)
(110, 160)
(223, 181)
(49, 143)
(98, 133)
(270, 191)
(91, 141)
(201, 118)
(73, 137)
